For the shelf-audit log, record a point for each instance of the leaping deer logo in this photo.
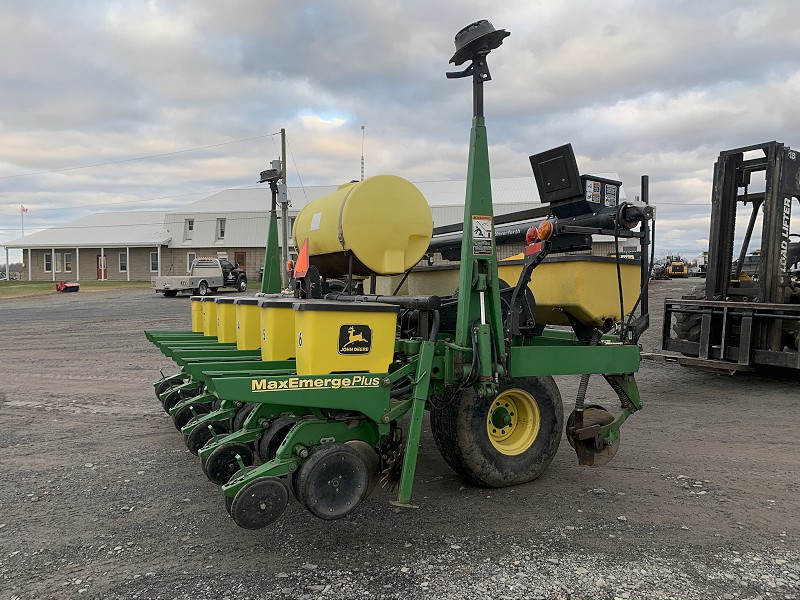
(354, 337)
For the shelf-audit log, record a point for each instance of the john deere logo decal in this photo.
(355, 339)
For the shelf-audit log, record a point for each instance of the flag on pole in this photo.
(23, 208)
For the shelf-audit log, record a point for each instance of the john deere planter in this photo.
(321, 391)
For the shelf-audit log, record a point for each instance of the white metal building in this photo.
(230, 224)
(121, 246)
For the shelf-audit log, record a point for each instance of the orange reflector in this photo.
(301, 268)
(545, 230)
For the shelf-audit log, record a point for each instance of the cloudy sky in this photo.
(638, 87)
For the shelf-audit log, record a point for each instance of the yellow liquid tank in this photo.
(383, 222)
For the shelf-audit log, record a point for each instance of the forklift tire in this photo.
(502, 441)
(687, 325)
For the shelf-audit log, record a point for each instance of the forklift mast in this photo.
(732, 172)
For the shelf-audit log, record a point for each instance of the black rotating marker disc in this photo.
(595, 415)
(259, 503)
(332, 481)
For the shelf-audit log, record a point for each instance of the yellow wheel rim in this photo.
(513, 422)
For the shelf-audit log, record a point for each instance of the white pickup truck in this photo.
(206, 275)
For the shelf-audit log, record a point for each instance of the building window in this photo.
(58, 262)
(154, 262)
(188, 229)
(123, 262)
(190, 258)
(220, 229)
(67, 262)
(48, 262)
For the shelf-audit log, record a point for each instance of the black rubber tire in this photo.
(202, 289)
(273, 436)
(214, 289)
(687, 325)
(459, 430)
(241, 284)
(170, 293)
(200, 435)
(332, 481)
(184, 414)
(222, 464)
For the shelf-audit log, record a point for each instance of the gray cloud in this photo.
(637, 87)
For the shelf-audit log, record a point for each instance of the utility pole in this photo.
(284, 212)
(362, 153)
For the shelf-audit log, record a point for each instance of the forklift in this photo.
(748, 313)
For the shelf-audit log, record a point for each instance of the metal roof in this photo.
(505, 190)
(114, 229)
(245, 214)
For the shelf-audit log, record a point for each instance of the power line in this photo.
(294, 162)
(125, 160)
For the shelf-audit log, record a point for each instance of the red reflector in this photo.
(533, 248)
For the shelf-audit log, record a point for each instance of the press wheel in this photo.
(332, 481)
(595, 415)
(234, 477)
(259, 503)
(371, 459)
(200, 435)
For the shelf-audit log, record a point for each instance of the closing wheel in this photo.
(163, 386)
(186, 413)
(200, 435)
(273, 436)
(332, 481)
(594, 415)
(505, 440)
(222, 462)
(241, 415)
(171, 400)
(259, 503)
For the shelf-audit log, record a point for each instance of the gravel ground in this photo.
(100, 499)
